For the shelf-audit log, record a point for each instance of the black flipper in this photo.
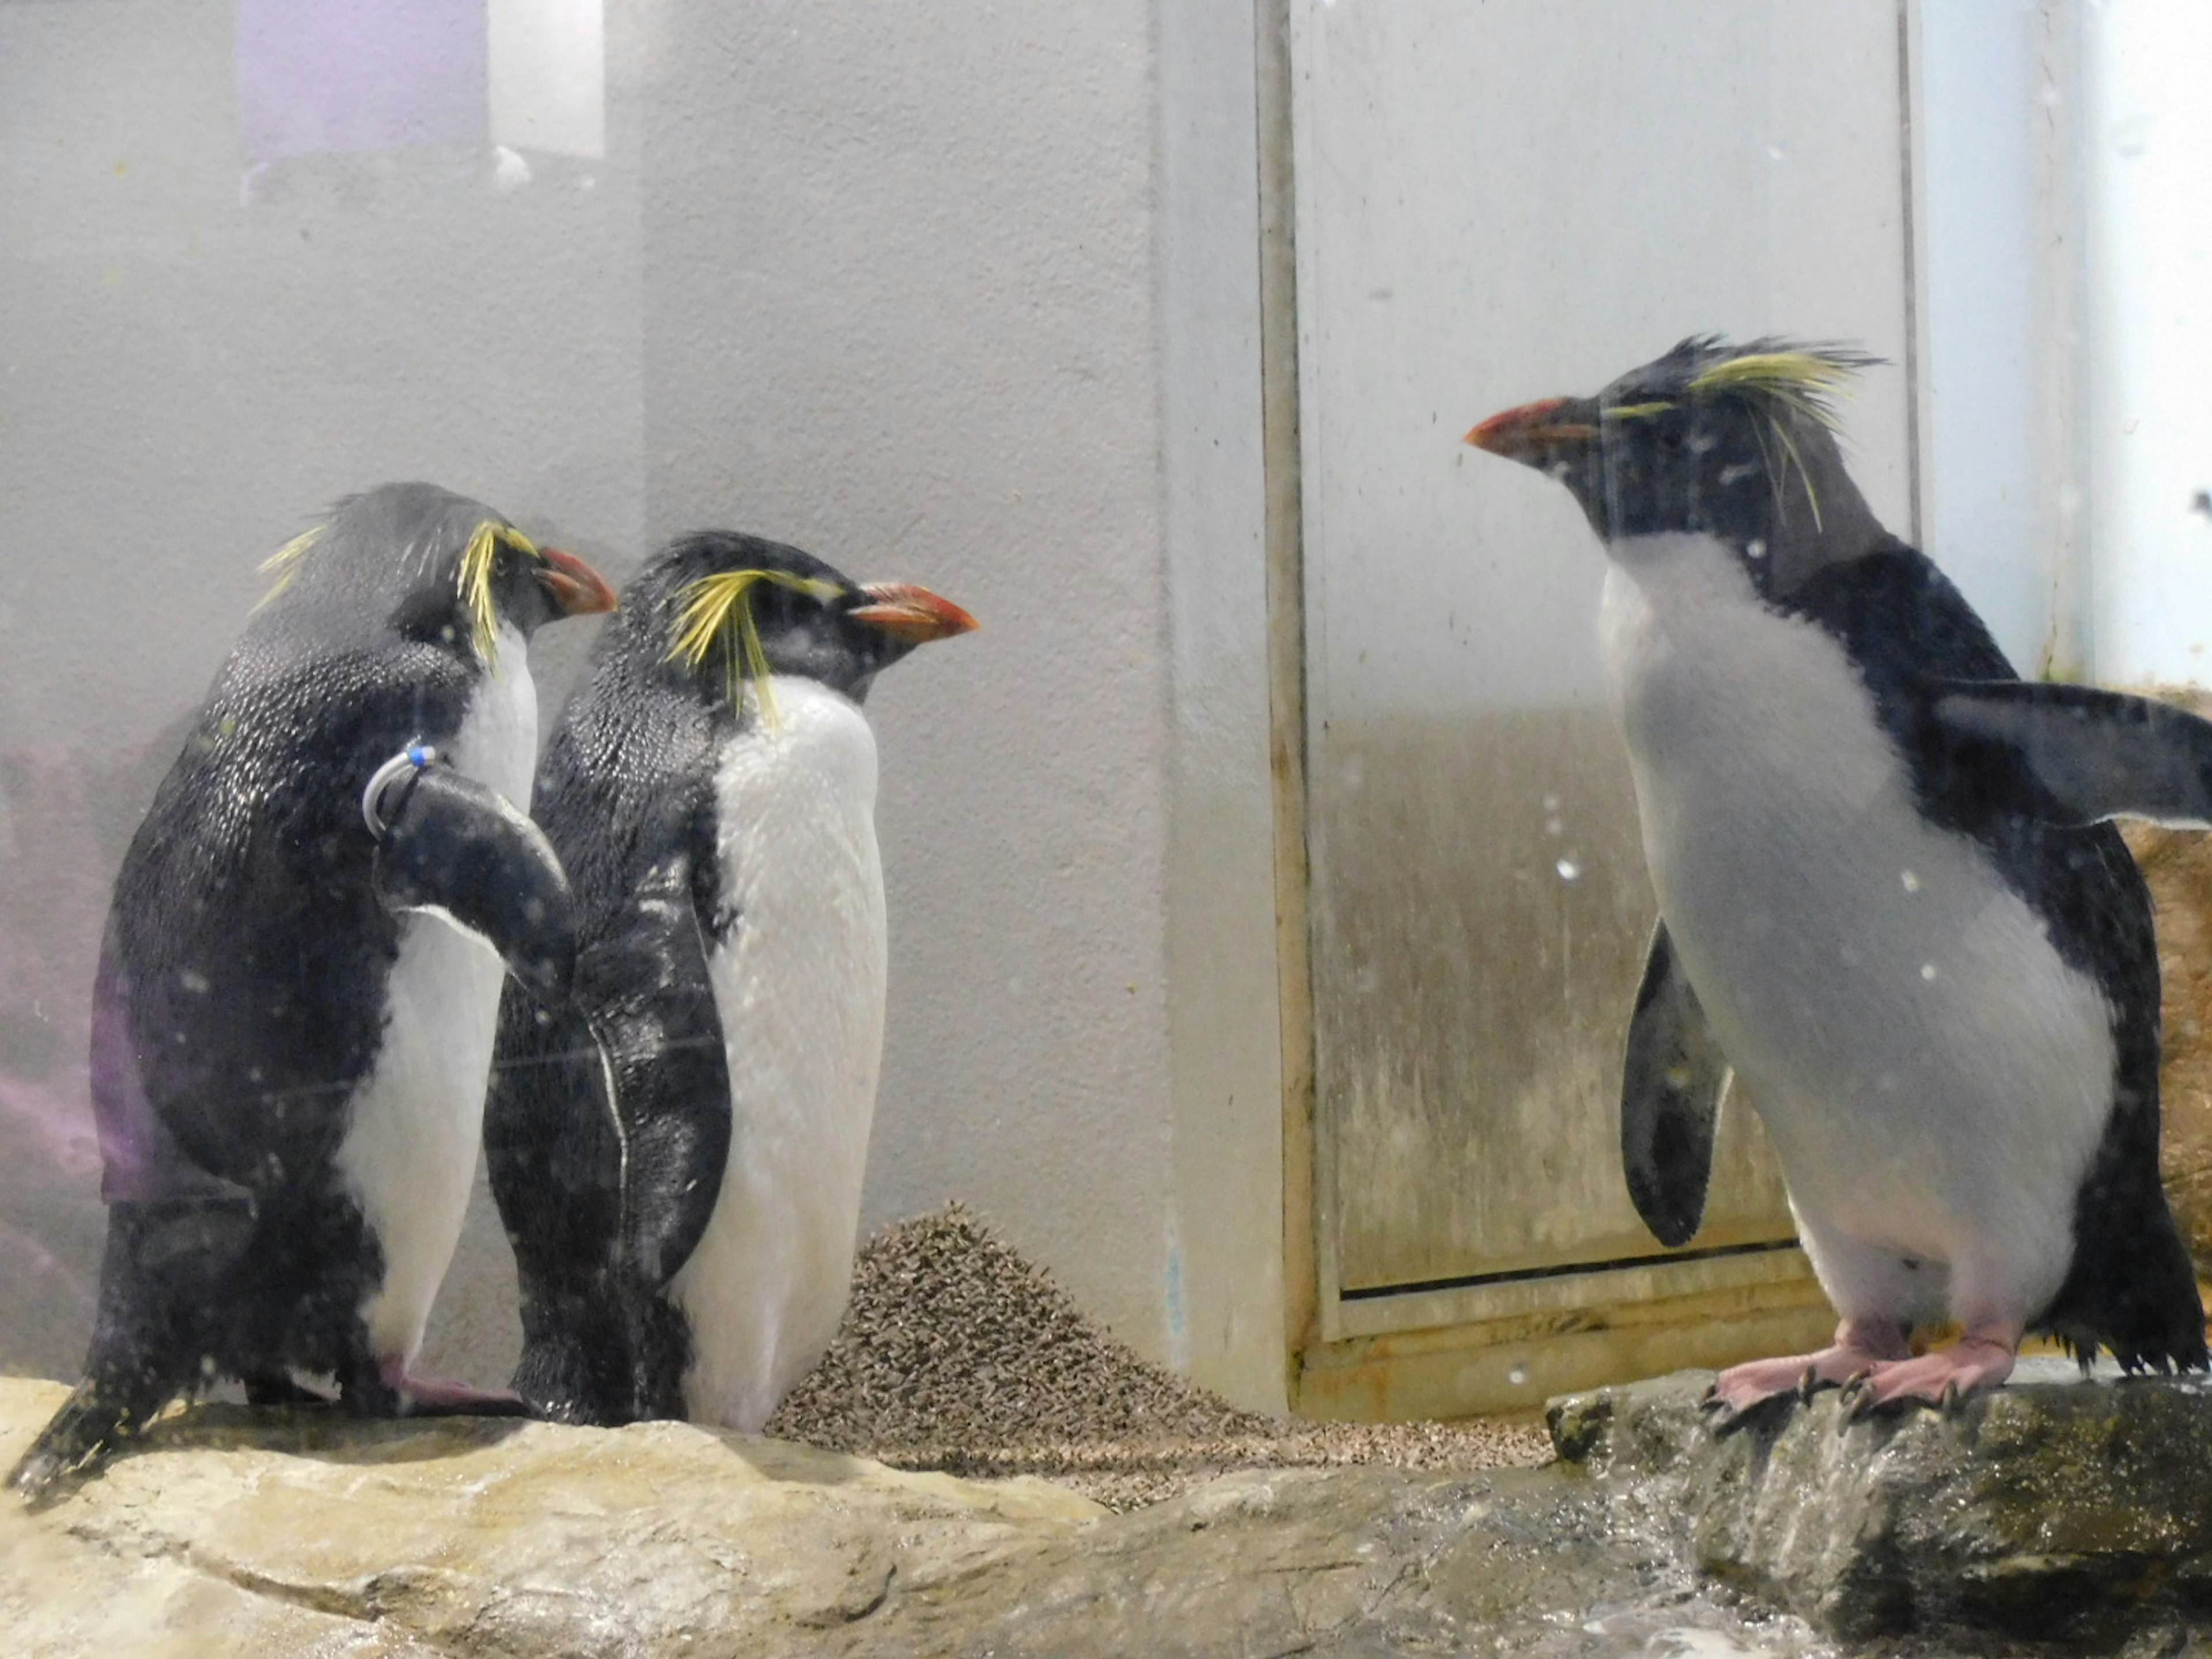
(607, 1143)
(2073, 754)
(453, 844)
(1670, 1098)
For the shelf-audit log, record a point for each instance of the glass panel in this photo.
(253, 255)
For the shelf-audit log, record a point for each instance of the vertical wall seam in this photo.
(1286, 667)
(1916, 390)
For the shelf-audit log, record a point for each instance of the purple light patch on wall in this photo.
(359, 74)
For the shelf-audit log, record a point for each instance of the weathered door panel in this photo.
(1496, 202)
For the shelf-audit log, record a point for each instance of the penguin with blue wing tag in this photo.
(678, 1155)
(1889, 896)
(294, 1012)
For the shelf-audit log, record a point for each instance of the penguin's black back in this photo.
(246, 949)
(239, 999)
(2130, 1287)
(604, 1199)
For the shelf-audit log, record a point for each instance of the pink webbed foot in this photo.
(1978, 1361)
(1861, 1345)
(435, 1396)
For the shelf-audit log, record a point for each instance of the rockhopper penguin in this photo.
(678, 1157)
(1889, 895)
(294, 1011)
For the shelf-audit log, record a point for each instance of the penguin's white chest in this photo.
(799, 980)
(411, 1147)
(1935, 1077)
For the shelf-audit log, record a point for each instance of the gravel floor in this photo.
(958, 1354)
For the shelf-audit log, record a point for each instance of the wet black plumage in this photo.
(240, 997)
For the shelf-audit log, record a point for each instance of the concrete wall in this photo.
(965, 296)
(898, 310)
(974, 302)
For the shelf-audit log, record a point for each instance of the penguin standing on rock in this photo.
(679, 1157)
(294, 1012)
(1889, 895)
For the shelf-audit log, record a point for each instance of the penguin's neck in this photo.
(1693, 655)
(497, 742)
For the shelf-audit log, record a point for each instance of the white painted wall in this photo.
(2005, 488)
(2065, 150)
(2147, 144)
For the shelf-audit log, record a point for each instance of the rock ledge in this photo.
(2055, 1509)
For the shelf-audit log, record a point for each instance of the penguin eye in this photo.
(1671, 439)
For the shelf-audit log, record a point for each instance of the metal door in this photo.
(1496, 202)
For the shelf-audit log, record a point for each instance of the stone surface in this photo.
(267, 1534)
(2049, 1520)
(292, 1532)
(2054, 1509)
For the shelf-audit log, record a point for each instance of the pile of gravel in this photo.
(958, 1354)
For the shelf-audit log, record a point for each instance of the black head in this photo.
(722, 609)
(428, 564)
(1737, 442)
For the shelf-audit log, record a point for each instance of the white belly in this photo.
(798, 985)
(1933, 1076)
(411, 1147)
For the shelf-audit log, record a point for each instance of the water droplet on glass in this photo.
(1927, 970)
(1555, 826)
(1551, 803)
(1569, 869)
(1911, 882)
(1754, 549)
(1518, 1377)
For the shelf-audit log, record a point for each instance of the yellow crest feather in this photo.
(1804, 382)
(1785, 383)
(719, 609)
(284, 562)
(474, 582)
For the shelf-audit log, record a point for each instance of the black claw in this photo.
(1949, 1401)
(1856, 1401)
(1726, 1420)
(1807, 1386)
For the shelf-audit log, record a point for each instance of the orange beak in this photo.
(1532, 434)
(910, 613)
(578, 589)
